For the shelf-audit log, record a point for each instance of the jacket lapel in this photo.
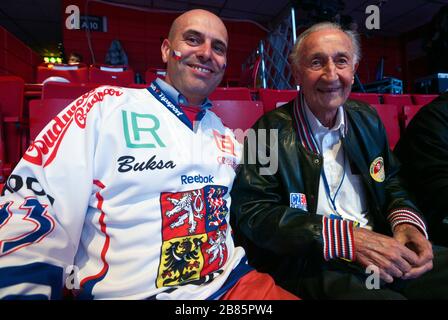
(356, 149)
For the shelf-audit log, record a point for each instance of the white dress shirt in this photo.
(350, 200)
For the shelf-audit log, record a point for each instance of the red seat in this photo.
(138, 86)
(152, 73)
(272, 98)
(60, 90)
(370, 98)
(5, 168)
(409, 112)
(33, 91)
(235, 93)
(11, 108)
(390, 117)
(111, 75)
(71, 72)
(11, 97)
(423, 98)
(238, 115)
(397, 99)
(42, 111)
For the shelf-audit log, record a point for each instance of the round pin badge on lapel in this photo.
(377, 169)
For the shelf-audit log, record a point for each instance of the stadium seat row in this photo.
(238, 107)
(96, 73)
(395, 99)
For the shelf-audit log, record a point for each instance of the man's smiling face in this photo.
(326, 69)
(196, 54)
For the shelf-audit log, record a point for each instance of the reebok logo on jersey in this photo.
(196, 179)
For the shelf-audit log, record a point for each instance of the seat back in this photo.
(11, 108)
(60, 90)
(370, 98)
(232, 93)
(397, 99)
(409, 113)
(272, 98)
(423, 98)
(3, 164)
(138, 86)
(2, 143)
(71, 72)
(388, 114)
(42, 111)
(152, 73)
(11, 96)
(111, 75)
(240, 115)
(248, 77)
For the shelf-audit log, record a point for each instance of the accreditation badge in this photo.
(377, 170)
(298, 201)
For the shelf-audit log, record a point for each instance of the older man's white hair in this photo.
(294, 57)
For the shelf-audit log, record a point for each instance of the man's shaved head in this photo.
(196, 13)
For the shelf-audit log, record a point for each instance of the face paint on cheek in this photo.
(176, 55)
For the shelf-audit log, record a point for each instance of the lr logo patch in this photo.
(140, 130)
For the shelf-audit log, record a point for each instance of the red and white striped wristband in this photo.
(338, 239)
(404, 215)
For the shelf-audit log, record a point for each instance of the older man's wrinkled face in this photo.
(196, 55)
(326, 69)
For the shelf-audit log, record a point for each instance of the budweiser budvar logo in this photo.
(49, 141)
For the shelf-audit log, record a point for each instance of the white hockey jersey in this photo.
(121, 197)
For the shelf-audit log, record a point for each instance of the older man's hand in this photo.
(412, 238)
(391, 256)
